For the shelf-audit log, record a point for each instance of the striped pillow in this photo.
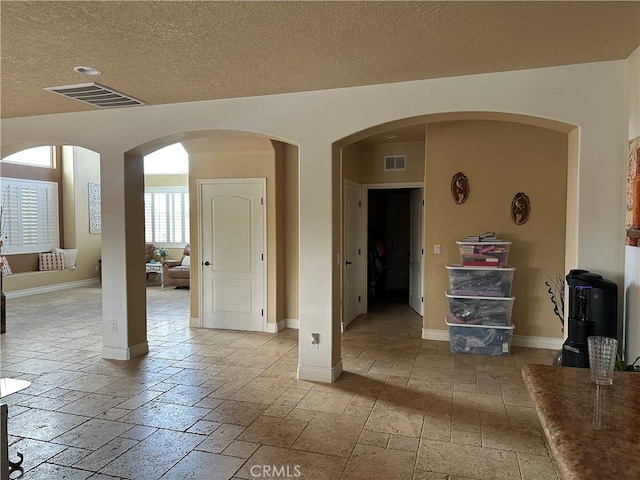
(51, 261)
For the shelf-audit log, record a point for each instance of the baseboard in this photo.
(271, 327)
(292, 323)
(549, 343)
(434, 334)
(119, 353)
(195, 322)
(51, 288)
(320, 374)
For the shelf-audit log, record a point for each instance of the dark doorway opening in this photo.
(388, 240)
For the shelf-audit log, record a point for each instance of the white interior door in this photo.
(233, 254)
(416, 251)
(352, 253)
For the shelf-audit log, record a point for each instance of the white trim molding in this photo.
(271, 327)
(292, 323)
(320, 374)
(435, 334)
(344, 325)
(50, 288)
(118, 353)
(548, 343)
(195, 322)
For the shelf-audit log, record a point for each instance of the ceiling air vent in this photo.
(96, 94)
(395, 162)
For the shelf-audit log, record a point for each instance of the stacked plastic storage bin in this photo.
(480, 301)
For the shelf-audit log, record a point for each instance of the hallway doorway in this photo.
(394, 247)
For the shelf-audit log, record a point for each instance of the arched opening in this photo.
(501, 154)
(227, 156)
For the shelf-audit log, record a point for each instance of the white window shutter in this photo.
(167, 215)
(148, 217)
(49, 221)
(31, 211)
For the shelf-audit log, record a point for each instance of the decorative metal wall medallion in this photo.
(520, 208)
(459, 188)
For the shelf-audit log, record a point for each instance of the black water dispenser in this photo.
(593, 310)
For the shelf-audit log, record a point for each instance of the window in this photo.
(29, 215)
(37, 157)
(166, 216)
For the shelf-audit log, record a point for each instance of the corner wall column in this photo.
(124, 306)
(317, 267)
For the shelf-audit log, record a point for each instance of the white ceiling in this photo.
(168, 52)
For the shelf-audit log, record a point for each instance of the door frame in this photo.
(265, 292)
(364, 222)
(420, 310)
(359, 283)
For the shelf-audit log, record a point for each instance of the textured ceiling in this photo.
(167, 52)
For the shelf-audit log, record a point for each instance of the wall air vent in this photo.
(96, 95)
(395, 162)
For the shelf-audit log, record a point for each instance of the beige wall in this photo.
(79, 167)
(499, 159)
(246, 157)
(372, 162)
(351, 162)
(166, 180)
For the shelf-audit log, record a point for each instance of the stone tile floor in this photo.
(215, 404)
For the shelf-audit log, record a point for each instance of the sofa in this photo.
(177, 272)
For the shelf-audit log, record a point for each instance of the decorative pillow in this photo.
(50, 261)
(69, 254)
(186, 261)
(6, 269)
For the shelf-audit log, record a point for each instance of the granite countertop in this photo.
(593, 432)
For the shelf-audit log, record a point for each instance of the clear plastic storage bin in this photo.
(480, 340)
(480, 281)
(484, 254)
(473, 310)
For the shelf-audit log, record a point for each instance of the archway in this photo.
(438, 151)
(216, 154)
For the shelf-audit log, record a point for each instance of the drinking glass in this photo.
(602, 359)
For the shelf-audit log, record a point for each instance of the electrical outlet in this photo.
(315, 340)
(436, 249)
(114, 325)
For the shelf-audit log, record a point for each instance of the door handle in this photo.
(206, 264)
(348, 262)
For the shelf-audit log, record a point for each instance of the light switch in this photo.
(436, 249)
